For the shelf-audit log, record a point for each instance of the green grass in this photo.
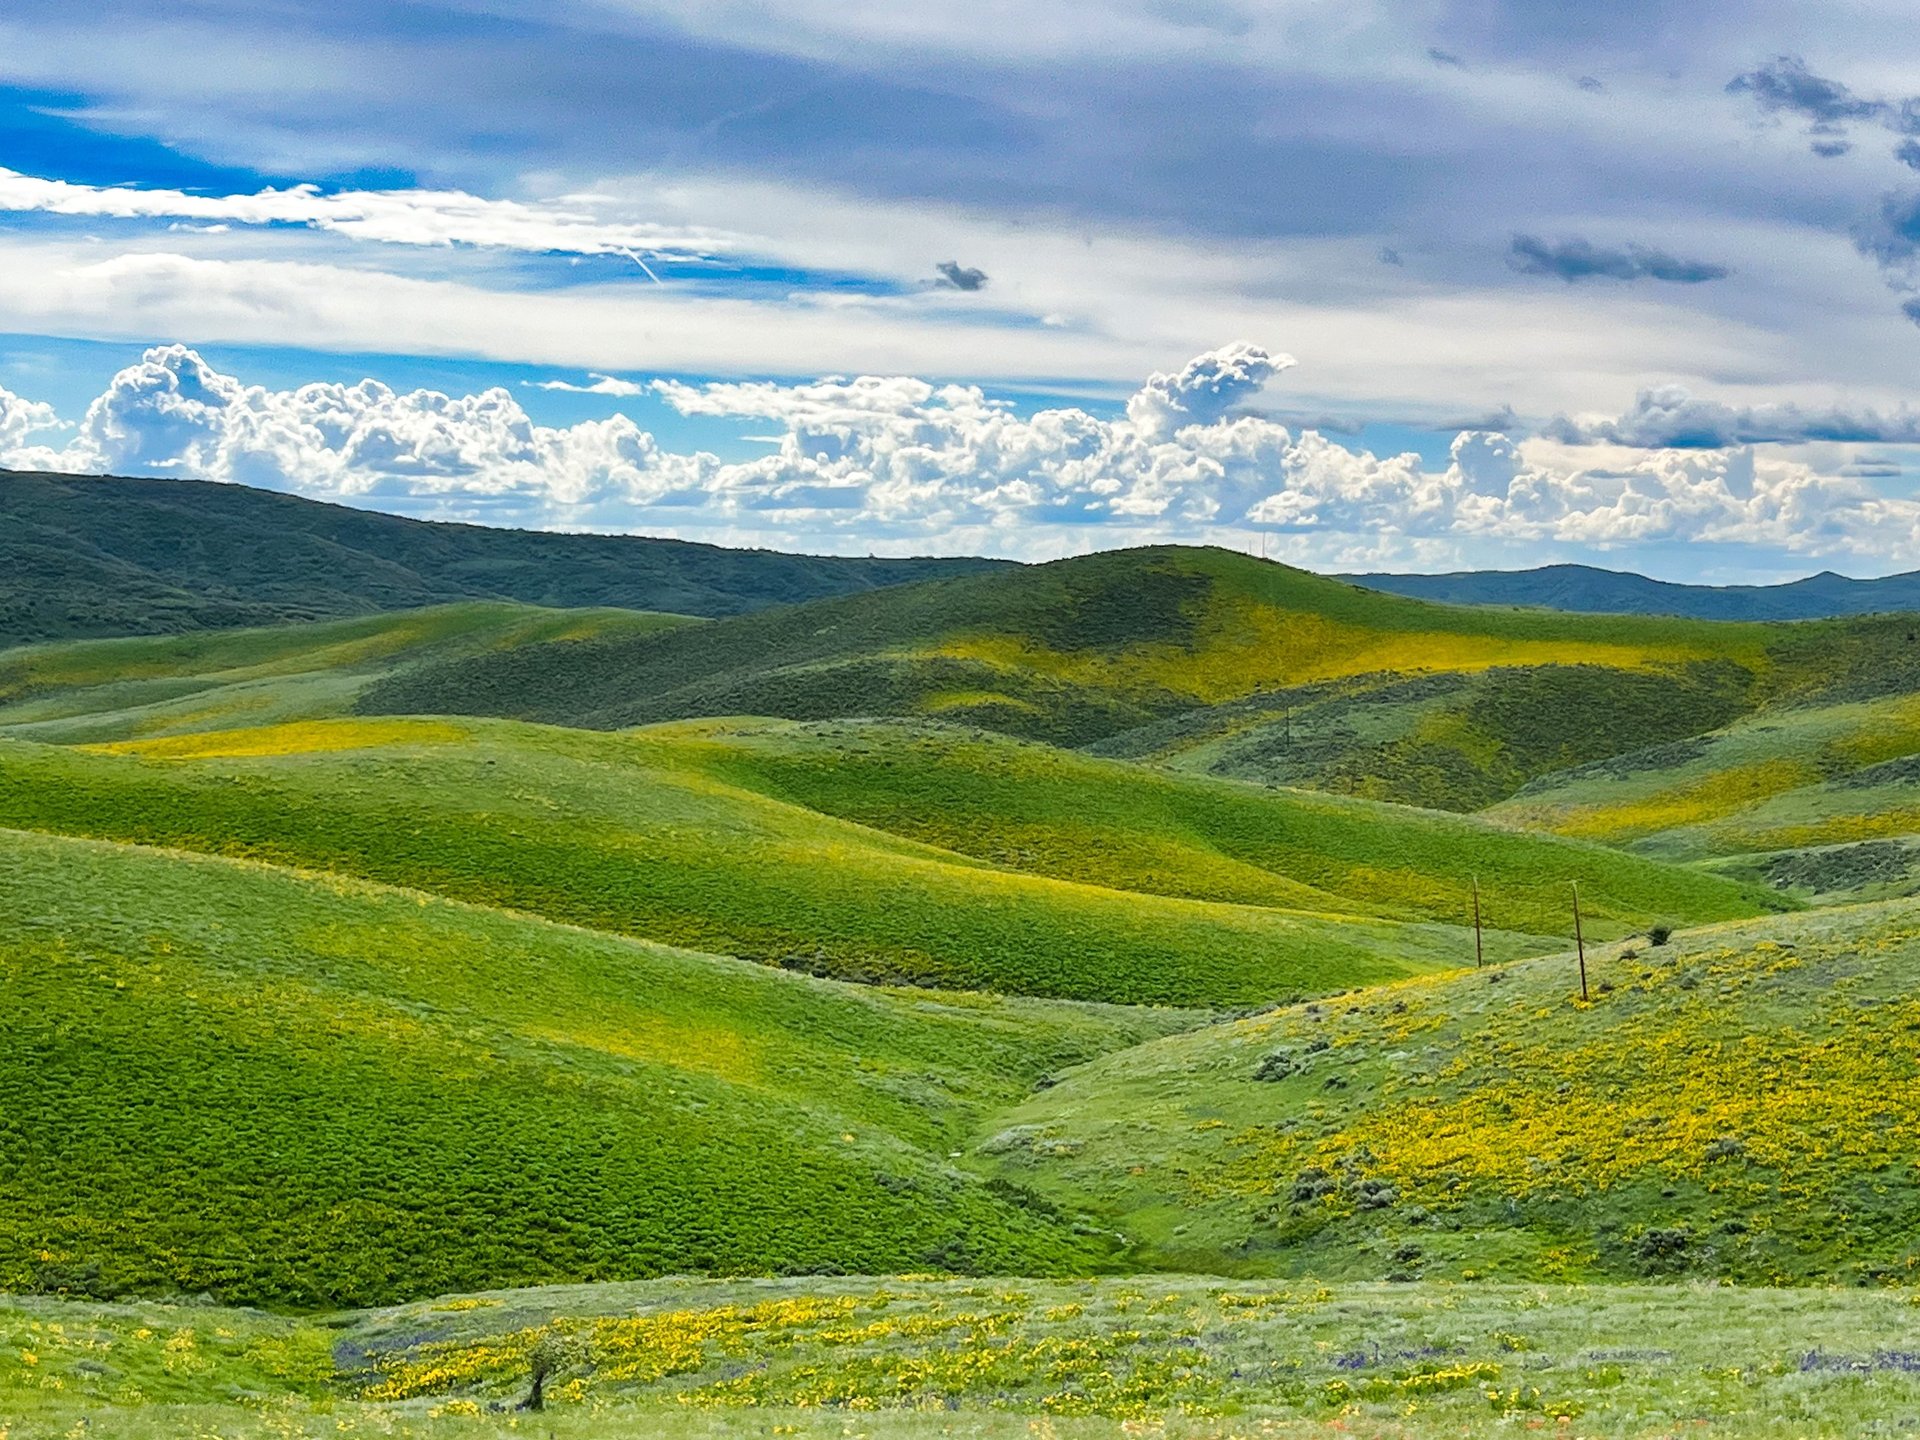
(299, 1090)
(1178, 1357)
(78, 692)
(704, 837)
(1736, 1104)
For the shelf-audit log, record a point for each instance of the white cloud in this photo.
(574, 226)
(901, 463)
(598, 385)
(20, 418)
(1205, 390)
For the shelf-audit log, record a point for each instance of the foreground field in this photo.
(1168, 1356)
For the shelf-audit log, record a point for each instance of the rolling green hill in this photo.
(800, 847)
(1735, 1104)
(307, 1090)
(96, 556)
(1204, 660)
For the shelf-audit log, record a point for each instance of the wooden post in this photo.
(1479, 957)
(1579, 940)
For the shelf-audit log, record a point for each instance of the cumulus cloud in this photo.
(1206, 389)
(894, 460)
(1669, 417)
(575, 226)
(961, 277)
(20, 419)
(1579, 259)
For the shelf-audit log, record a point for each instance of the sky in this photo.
(1384, 284)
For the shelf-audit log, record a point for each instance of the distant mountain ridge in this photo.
(84, 556)
(1588, 589)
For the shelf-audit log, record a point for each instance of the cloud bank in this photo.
(908, 464)
(1669, 417)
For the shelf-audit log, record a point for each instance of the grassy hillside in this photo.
(1736, 1104)
(1450, 741)
(1058, 813)
(1818, 801)
(92, 556)
(98, 690)
(732, 839)
(302, 1090)
(1181, 1358)
(628, 836)
(1206, 660)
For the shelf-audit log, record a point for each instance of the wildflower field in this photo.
(1736, 1103)
(919, 1357)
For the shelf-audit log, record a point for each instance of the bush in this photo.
(1659, 934)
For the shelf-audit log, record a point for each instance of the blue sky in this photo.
(1392, 284)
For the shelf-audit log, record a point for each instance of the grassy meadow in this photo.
(1182, 1358)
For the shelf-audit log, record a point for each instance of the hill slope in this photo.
(95, 690)
(1736, 1104)
(1821, 801)
(1588, 589)
(94, 556)
(1074, 650)
(274, 1087)
(660, 835)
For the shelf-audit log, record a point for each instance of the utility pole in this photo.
(1479, 957)
(1579, 940)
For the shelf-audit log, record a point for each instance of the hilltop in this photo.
(1203, 660)
(97, 556)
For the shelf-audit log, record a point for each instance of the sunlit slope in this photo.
(1059, 813)
(1738, 1103)
(90, 690)
(1070, 652)
(218, 1076)
(621, 835)
(1782, 780)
